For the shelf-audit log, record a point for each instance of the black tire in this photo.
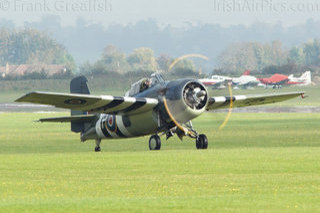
(154, 142)
(97, 149)
(198, 143)
(202, 142)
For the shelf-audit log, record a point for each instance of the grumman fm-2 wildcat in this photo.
(152, 106)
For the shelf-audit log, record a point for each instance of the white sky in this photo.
(174, 12)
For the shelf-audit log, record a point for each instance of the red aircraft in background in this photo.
(277, 80)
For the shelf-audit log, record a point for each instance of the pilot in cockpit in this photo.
(145, 84)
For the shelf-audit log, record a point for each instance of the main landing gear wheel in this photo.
(97, 149)
(202, 142)
(154, 142)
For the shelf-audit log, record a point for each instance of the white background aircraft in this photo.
(304, 80)
(216, 81)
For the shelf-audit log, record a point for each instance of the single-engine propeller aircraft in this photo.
(152, 106)
(277, 80)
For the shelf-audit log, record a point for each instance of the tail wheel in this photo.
(202, 142)
(155, 142)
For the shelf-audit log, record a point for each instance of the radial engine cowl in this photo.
(195, 95)
(187, 99)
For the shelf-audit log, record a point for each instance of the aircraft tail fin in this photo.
(247, 72)
(78, 85)
(307, 77)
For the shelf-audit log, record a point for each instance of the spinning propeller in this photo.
(223, 125)
(194, 98)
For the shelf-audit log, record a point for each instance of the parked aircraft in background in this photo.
(304, 80)
(245, 81)
(216, 81)
(278, 80)
(248, 81)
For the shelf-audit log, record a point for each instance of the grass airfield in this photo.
(259, 162)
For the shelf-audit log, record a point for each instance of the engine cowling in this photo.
(186, 99)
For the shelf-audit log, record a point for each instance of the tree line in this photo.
(205, 38)
(142, 59)
(262, 58)
(31, 46)
(269, 58)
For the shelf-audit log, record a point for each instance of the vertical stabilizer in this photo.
(78, 85)
(247, 72)
(306, 77)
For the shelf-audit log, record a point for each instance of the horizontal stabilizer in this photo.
(76, 118)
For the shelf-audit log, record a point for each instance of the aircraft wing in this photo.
(91, 103)
(249, 100)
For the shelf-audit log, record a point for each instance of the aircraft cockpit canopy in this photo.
(157, 78)
(144, 84)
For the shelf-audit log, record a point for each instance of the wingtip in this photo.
(301, 93)
(21, 99)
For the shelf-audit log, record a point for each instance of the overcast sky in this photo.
(174, 12)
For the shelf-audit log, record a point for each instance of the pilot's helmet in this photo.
(147, 82)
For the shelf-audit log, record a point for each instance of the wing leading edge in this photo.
(91, 103)
(250, 100)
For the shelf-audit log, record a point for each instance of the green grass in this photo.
(259, 162)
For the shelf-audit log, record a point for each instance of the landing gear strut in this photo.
(97, 148)
(154, 142)
(201, 140)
